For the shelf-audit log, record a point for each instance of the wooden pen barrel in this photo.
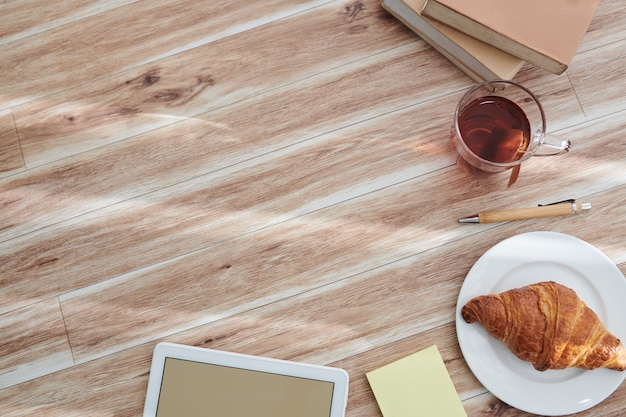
(530, 213)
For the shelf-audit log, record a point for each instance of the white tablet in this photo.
(188, 381)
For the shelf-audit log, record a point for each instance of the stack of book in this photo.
(493, 39)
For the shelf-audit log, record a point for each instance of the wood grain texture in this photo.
(216, 207)
(600, 86)
(271, 178)
(196, 81)
(229, 135)
(20, 19)
(34, 343)
(140, 32)
(11, 160)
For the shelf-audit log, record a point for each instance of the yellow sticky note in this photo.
(416, 386)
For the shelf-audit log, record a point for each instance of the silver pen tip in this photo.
(585, 206)
(473, 219)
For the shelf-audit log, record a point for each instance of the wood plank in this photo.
(599, 77)
(110, 387)
(123, 38)
(34, 343)
(250, 128)
(215, 207)
(220, 139)
(203, 79)
(11, 160)
(349, 297)
(20, 19)
(307, 252)
(224, 204)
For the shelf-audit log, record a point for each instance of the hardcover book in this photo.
(477, 59)
(546, 33)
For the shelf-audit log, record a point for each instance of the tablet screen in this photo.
(191, 389)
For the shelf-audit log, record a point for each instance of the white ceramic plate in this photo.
(526, 259)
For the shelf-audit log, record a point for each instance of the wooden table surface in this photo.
(272, 178)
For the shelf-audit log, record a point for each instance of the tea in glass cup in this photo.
(500, 124)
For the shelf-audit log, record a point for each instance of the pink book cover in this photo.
(552, 29)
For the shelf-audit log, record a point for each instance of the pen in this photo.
(557, 209)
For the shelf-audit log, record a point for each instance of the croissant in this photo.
(547, 325)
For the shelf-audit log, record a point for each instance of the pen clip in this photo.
(569, 200)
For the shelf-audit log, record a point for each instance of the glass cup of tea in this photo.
(500, 124)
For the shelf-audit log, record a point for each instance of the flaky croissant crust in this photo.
(548, 325)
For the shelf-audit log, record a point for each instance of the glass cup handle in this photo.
(553, 147)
